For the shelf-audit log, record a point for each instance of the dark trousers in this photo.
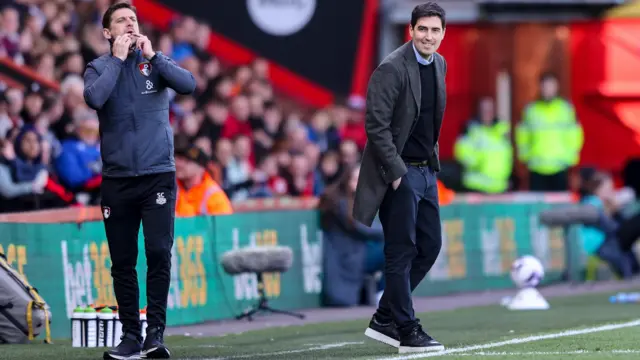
(126, 202)
(554, 182)
(410, 217)
(614, 251)
(623, 263)
(629, 232)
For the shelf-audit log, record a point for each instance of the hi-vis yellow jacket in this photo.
(549, 138)
(486, 153)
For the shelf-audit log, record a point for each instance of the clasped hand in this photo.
(123, 44)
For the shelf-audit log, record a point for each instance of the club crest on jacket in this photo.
(145, 68)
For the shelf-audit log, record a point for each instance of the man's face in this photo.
(487, 113)
(312, 152)
(10, 21)
(74, 97)
(299, 165)
(185, 168)
(240, 107)
(549, 88)
(30, 145)
(16, 100)
(242, 148)
(224, 151)
(427, 35)
(33, 104)
(349, 152)
(89, 131)
(123, 21)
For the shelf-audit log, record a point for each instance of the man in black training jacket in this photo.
(405, 104)
(128, 88)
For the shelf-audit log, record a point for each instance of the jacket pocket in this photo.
(153, 145)
(111, 150)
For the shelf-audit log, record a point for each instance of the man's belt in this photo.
(418, 163)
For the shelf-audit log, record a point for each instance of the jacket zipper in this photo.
(133, 119)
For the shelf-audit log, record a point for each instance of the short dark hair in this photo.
(429, 9)
(548, 75)
(106, 18)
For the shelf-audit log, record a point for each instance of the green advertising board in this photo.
(481, 241)
(70, 263)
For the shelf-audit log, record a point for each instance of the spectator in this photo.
(270, 183)
(298, 138)
(71, 88)
(241, 78)
(312, 153)
(351, 250)
(321, 133)
(282, 155)
(5, 120)
(22, 174)
(549, 138)
(24, 179)
(353, 129)
(260, 69)
(268, 131)
(330, 167)
(198, 193)
(15, 102)
(71, 63)
(485, 151)
(221, 87)
(52, 111)
(349, 153)
(33, 101)
(256, 112)
(79, 165)
(237, 123)
(239, 169)
(9, 36)
(601, 240)
(215, 114)
(183, 34)
(300, 179)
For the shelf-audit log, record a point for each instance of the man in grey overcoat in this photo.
(405, 105)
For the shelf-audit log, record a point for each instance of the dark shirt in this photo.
(420, 144)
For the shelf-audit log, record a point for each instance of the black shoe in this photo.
(153, 347)
(129, 348)
(419, 341)
(385, 332)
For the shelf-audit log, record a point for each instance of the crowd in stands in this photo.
(50, 140)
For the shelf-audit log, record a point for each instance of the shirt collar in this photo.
(419, 57)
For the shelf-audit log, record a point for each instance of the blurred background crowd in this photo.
(255, 146)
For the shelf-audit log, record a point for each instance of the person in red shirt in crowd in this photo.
(300, 178)
(354, 129)
(268, 179)
(237, 122)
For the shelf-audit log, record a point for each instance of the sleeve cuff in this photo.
(116, 61)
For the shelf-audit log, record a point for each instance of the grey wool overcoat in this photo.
(393, 105)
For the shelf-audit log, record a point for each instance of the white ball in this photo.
(527, 271)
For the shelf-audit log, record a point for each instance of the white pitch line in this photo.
(289, 352)
(541, 353)
(522, 340)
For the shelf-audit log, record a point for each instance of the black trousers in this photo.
(126, 202)
(554, 182)
(410, 217)
(623, 262)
